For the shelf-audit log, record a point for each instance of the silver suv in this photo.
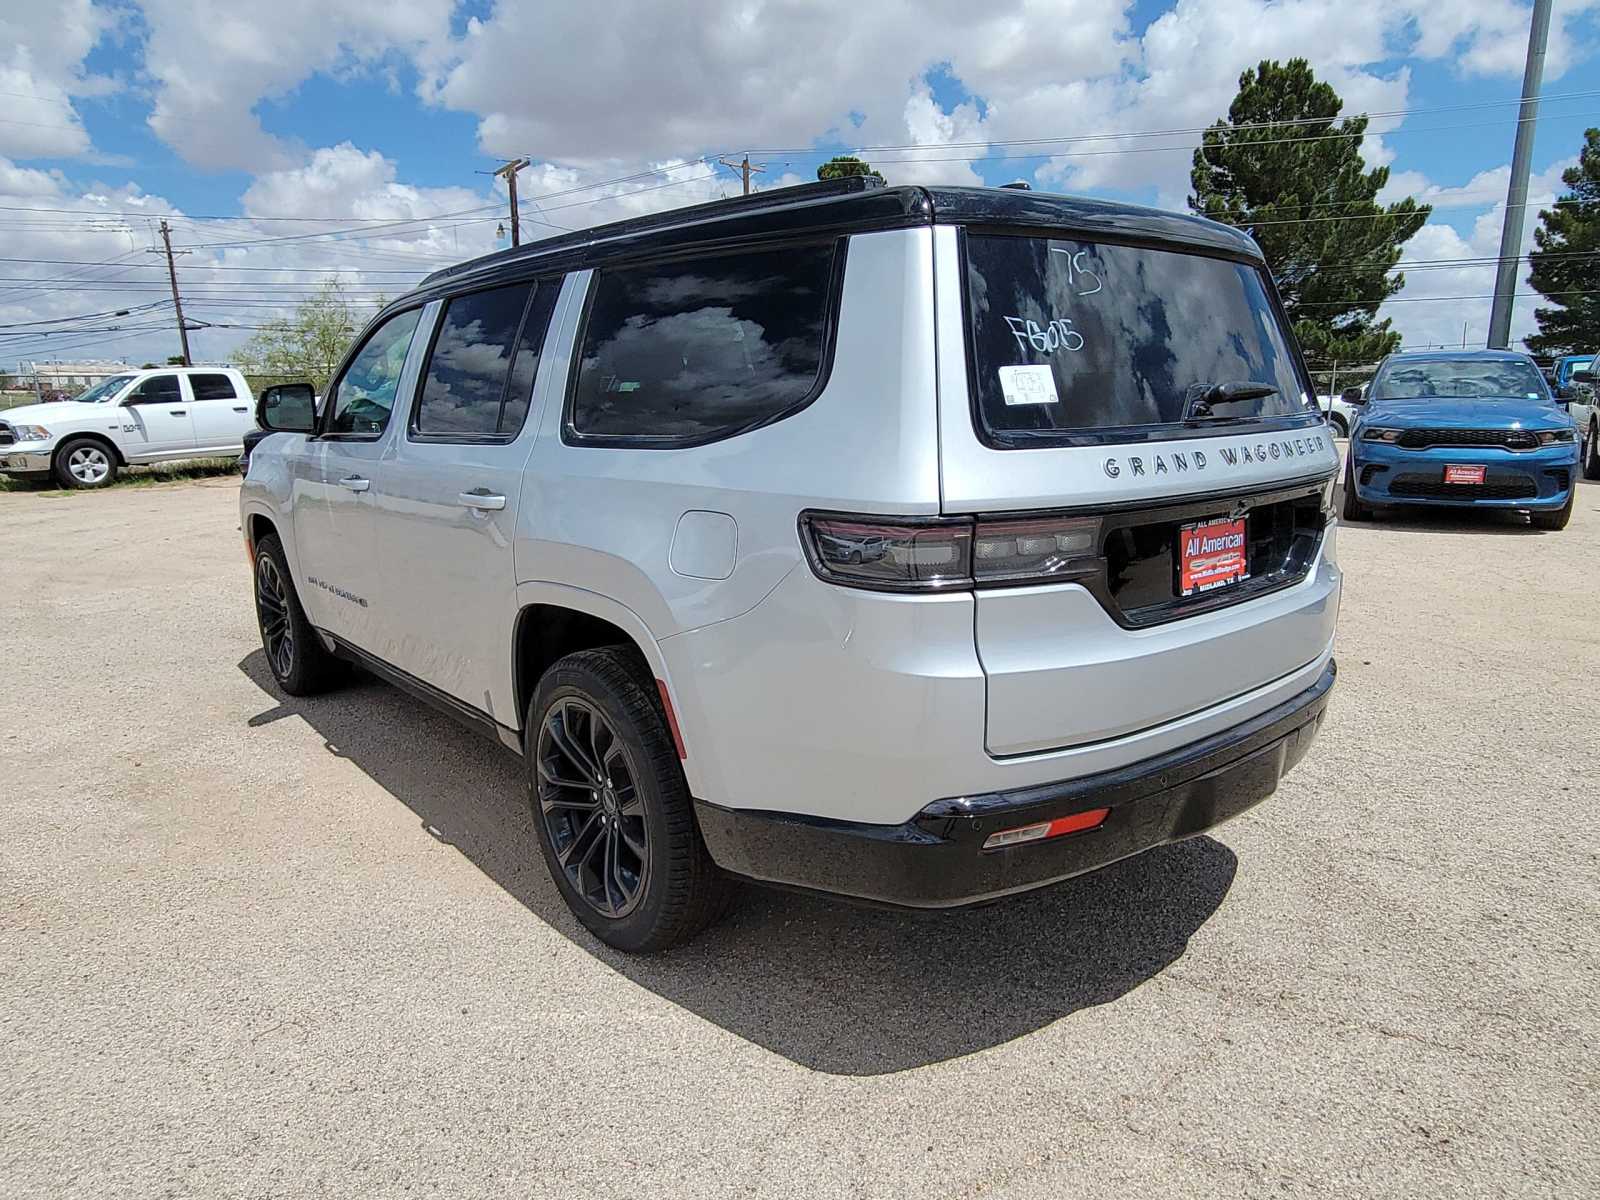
(913, 545)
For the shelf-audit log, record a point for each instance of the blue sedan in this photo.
(1475, 429)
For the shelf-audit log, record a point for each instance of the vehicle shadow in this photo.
(833, 987)
(1473, 522)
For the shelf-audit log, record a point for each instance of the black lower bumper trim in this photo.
(937, 860)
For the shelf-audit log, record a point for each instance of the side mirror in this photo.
(287, 408)
(1583, 376)
(1353, 396)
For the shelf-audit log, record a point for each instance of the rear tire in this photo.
(1590, 461)
(1352, 509)
(612, 808)
(299, 662)
(85, 463)
(1556, 519)
(1340, 429)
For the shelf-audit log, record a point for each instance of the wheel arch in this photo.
(117, 456)
(553, 620)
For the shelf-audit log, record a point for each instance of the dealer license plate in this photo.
(1213, 554)
(1461, 473)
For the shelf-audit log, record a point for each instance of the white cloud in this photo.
(212, 62)
(1424, 321)
(42, 48)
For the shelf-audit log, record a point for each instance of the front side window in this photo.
(212, 387)
(365, 394)
(1459, 379)
(157, 389)
(686, 352)
(1073, 339)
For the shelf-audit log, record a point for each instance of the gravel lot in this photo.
(261, 947)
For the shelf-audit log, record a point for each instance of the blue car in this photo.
(1476, 429)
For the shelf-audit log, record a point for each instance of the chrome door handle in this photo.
(482, 500)
(355, 483)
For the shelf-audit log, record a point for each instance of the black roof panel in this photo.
(854, 205)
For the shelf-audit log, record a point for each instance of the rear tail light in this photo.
(937, 554)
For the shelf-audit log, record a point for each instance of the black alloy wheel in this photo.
(272, 607)
(590, 803)
(295, 654)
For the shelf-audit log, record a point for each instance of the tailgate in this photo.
(1072, 664)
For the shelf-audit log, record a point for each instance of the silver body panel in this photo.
(793, 694)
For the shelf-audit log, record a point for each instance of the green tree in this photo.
(843, 166)
(1566, 260)
(1283, 167)
(307, 345)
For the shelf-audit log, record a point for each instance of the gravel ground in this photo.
(263, 947)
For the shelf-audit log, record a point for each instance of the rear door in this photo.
(221, 413)
(1155, 397)
(449, 492)
(159, 422)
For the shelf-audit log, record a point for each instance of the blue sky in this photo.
(262, 125)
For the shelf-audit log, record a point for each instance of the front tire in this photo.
(1589, 460)
(1557, 519)
(1352, 509)
(85, 463)
(299, 662)
(612, 808)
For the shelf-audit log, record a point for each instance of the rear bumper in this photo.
(1542, 478)
(936, 859)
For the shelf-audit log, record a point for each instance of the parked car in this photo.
(1341, 412)
(144, 416)
(919, 546)
(1574, 381)
(1472, 428)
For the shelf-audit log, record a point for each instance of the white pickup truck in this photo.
(159, 415)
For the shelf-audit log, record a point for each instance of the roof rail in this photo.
(802, 193)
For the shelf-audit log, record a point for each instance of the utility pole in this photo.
(1505, 280)
(509, 174)
(177, 301)
(745, 169)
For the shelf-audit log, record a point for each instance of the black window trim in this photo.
(323, 433)
(571, 436)
(533, 284)
(1122, 435)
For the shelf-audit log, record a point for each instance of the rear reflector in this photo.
(1076, 823)
(672, 719)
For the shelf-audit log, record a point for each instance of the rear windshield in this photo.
(1073, 338)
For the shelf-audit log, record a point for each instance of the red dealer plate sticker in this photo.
(1211, 555)
(1459, 473)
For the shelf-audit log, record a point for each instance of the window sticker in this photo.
(1028, 385)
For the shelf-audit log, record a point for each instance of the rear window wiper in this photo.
(1200, 403)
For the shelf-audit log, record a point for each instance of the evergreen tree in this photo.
(842, 166)
(1283, 167)
(1566, 261)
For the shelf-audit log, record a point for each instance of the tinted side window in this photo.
(703, 348)
(525, 367)
(464, 386)
(364, 395)
(212, 387)
(158, 389)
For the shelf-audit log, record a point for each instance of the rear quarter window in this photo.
(699, 349)
(1075, 340)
